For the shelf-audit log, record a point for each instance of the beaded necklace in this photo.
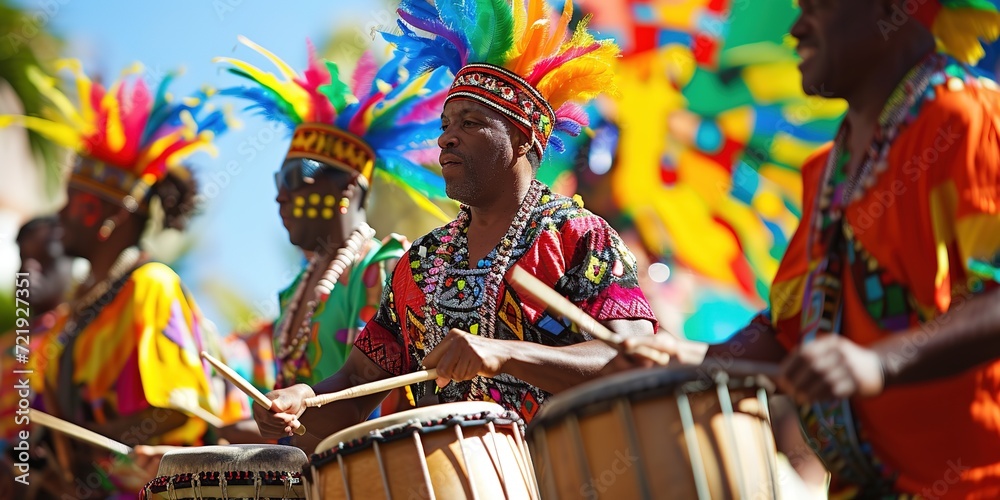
(292, 348)
(455, 244)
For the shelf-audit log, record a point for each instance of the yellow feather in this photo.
(176, 159)
(581, 79)
(289, 91)
(46, 85)
(282, 66)
(59, 133)
(157, 148)
(115, 131)
(83, 89)
(560, 32)
(960, 31)
(520, 24)
(421, 201)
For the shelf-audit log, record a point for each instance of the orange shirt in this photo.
(931, 221)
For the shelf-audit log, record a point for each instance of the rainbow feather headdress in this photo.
(518, 59)
(961, 26)
(134, 137)
(384, 123)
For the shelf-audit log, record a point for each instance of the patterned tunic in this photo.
(568, 248)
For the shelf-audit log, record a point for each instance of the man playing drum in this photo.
(886, 307)
(449, 305)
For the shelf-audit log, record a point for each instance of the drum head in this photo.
(234, 458)
(640, 384)
(415, 416)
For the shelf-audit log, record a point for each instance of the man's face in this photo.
(839, 41)
(477, 151)
(308, 200)
(81, 221)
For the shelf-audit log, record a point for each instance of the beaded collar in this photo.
(454, 250)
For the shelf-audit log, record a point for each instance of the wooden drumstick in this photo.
(373, 387)
(185, 403)
(534, 288)
(75, 431)
(243, 385)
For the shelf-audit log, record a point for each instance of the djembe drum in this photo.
(227, 472)
(453, 451)
(691, 432)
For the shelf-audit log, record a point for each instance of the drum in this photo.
(690, 432)
(236, 471)
(453, 451)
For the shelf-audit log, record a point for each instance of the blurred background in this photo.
(695, 162)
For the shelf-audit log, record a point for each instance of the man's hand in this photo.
(286, 407)
(678, 350)
(463, 356)
(831, 367)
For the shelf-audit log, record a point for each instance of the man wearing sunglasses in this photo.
(340, 139)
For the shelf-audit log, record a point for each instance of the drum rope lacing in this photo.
(199, 480)
(404, 430)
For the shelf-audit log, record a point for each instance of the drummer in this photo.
(886, 306)
(341, 135)
(449, 306)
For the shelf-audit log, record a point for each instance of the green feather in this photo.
(494, 34)
(336, 91)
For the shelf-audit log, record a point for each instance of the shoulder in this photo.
(568, 217)
(959, 97)
(155, 275)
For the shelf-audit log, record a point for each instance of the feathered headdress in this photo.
(518, 59)
(135, 136)
(380, 124)
(961, 26)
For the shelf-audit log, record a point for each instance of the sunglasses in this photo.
(298, 176)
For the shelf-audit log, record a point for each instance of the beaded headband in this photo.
(511, 96)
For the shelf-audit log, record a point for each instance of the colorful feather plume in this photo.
(525, 38)
(125, 126)
(961, 26)
(390, 108)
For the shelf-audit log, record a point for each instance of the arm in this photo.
(755, 342)
(964, 337)
(462, 356)
(289, 404)
(132, 429)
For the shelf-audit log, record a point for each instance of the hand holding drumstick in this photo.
(245, 386)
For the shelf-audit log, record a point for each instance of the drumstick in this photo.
(81, 433)
(533, 287)
(373, 387)
(242, 384)
(182, 401)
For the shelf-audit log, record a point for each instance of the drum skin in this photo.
(195, 472)
(659, 433)
(456, 450)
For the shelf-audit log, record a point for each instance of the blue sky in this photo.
(238, 239)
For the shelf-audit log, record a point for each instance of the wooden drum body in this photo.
(690, 432)
(457, 450)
